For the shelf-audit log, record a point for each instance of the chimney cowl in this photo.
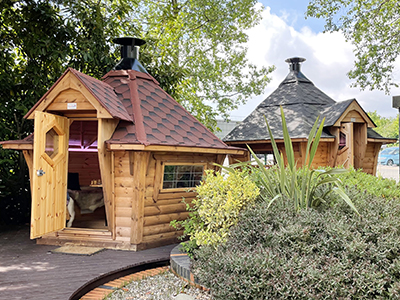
(294, 63)
(130, 54)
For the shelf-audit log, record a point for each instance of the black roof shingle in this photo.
(302, 103)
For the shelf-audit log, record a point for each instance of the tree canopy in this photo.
(373, 26)
(196, 50)
(387, 127)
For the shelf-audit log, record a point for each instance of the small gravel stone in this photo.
(183, 297)
(164, 286)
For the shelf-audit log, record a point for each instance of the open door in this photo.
(345, 156)
(49, 182)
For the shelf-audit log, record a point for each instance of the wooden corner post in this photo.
(140, 163)
(106, 128)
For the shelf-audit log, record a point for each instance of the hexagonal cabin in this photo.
(123, 143)
(348, 138)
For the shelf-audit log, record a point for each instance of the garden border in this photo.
(180, 266)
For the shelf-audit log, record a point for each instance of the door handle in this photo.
(40, 173)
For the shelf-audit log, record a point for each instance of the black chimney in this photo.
(130, 54)
(294, 63)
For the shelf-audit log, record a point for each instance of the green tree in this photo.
(373, 27)
(387, 127)
(33, 50)
(202, 43)
(195, 49)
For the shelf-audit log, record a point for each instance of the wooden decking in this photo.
(31, 271)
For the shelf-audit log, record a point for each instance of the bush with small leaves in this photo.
(216, 208)
(377, 186)
(324, 253)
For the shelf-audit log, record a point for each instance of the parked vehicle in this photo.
(389, 156)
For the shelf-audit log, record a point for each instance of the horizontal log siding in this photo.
(369, 159)
(123, 189)
(86, 164)
(321, 158)
(161, 206)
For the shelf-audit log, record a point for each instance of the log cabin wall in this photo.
(86, 164)
(161, 206)
(371, 158)
(321, 157)
(123, 193)
(327, 153)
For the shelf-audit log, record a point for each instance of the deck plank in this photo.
(30, 269)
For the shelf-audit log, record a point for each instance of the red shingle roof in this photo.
(149, 116)
(158, 118)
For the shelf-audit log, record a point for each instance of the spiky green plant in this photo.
(304, 186)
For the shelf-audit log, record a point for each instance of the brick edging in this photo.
(106, 289)
(180, 266)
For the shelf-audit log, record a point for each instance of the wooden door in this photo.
(49, 182)
(345, 155)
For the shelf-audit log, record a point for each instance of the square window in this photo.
(182, 176)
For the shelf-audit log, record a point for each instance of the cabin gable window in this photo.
(178, 176)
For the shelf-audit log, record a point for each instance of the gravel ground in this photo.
(164, 286)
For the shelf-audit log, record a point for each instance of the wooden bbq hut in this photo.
(130, 141)
(348, 138)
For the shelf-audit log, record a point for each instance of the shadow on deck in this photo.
(30, 271)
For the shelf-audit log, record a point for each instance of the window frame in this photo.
(170, 190)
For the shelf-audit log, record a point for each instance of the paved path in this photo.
(388, 172)
(30, 271)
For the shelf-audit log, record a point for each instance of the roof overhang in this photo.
(384, 140)
(17, 145)
(68, 82)
(138, 147)
(277, 141)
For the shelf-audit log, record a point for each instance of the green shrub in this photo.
(302, 186)
(279, 253)
(216, 207)
(377, 186)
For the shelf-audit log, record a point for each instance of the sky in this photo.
(284, 33)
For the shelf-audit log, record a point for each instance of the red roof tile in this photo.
(162, 120)
(149, 116)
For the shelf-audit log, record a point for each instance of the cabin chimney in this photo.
(130, 54)
(294, 63)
